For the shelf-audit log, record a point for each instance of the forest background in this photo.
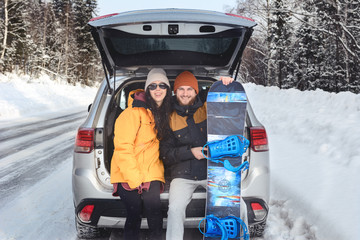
(306, 44)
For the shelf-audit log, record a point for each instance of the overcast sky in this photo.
(111, 6)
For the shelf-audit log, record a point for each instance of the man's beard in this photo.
(191, 102)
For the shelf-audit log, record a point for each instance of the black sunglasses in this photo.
(153, 86)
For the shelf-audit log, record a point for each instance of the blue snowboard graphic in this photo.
(223, 187)
(226, 114)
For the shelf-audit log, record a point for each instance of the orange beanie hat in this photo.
(186, 79)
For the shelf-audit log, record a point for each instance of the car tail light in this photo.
(84, 140)
(86, 212)
(259, 212)
(258, 138)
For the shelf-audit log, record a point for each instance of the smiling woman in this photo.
(158, 91)
(137, 173)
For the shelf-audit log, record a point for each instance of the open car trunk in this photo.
(204, 42)
(119, 103)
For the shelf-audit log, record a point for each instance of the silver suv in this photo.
(209, 44)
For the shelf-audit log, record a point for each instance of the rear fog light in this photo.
(86, 212)
(259, 212)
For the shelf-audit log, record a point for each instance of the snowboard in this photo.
(226, 114)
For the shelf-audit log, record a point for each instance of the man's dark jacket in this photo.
(189, 130)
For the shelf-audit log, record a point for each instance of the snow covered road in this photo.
(35, 177)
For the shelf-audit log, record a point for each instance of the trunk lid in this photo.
(202, 41)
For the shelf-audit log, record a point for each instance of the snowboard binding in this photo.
(228, 227)
(232, 146)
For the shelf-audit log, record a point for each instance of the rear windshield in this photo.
(206, 50)
(129, 46)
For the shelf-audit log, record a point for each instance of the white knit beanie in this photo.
(156, 74)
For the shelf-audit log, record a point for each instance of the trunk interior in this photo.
(119, 103)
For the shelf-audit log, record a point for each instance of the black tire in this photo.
(257, 230)
(89, 232)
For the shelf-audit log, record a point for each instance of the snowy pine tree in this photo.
(14, 36)
(305, 51)
(86, 64)
(280, 33)
(309, 44)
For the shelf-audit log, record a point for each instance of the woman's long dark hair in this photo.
(161, 114)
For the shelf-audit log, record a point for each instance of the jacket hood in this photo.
(137, 98)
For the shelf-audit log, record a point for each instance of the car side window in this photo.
(122, 99)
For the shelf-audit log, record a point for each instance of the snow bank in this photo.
(22, 96)
(315, 156)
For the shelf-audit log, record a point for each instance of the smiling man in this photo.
(182, 154)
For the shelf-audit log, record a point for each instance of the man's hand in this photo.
(226, 80)
(197, 152)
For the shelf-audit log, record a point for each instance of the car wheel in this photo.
(257, 230)
(89, 232)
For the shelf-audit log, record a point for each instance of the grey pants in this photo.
(180, 195)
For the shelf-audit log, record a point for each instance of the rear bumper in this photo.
(111, 213)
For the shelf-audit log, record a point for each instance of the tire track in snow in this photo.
(26, 160)
(22, 129)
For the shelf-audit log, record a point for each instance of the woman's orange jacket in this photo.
(136, 153)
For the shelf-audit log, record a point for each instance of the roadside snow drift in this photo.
(315, 155)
